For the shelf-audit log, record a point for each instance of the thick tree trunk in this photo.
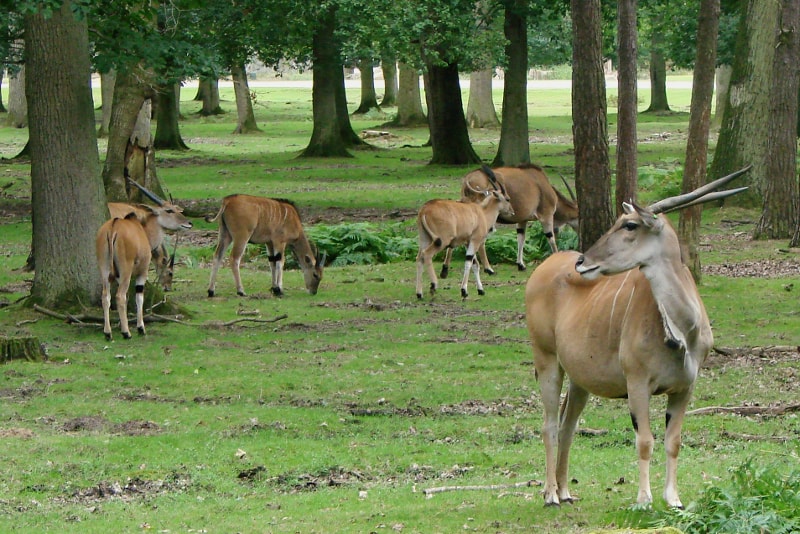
(369, 99)
(480, 105)
(658, 76)
(590, 123)
(745, 125)
(246, 119)
(390, 86)
(208, 91)
(349, 137)
(694, 169)
(67, 198)
(107, 94)
(780, 214)
(17, 102)
(2, 107)
(722, 83)
(627, 105)
(409, 98)
(448, 126)
(168, 135)
(514, 148)
(328, 76)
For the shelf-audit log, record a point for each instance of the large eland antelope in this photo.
(444, 224)
(248, 219)
(123, 252)
(533, 198)
(623, 320)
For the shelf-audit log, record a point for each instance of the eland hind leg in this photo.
(551, 377)
(219, 256)
(571, 409)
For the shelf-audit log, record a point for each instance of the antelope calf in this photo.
(533, 198)
(623, 320)
(444, 224)
(123, 252)
(247, 219)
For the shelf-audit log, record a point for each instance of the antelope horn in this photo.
(321, 261)
(717, 195)
(687, 199)
(149, 194)
(493, 179)
(174, 250)
(571, 193)
(476, 191)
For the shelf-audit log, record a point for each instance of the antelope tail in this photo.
(436, 239)
(209, 218)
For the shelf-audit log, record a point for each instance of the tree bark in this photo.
(168, 134)
(480, 106)
(107, 94)
(21, 348)
(514, 147)
(369, 99)
(745, 125)
(208, 91)
(590, 123)
(627, 105)
(67, 199)
(694, 168)
(17, 102)
(349, 137)
(2, 107)
(390, 85)
(448, 126)
(409, 98)
(722, 83)
(246, 119)
(658, 76)
(780, 214)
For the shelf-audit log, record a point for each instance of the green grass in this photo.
(336, 418)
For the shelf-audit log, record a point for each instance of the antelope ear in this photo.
(628, 208)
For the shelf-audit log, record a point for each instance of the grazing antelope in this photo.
(620, 332)
(533, 198)
(444, 224)
(248, 219)
(123, 252)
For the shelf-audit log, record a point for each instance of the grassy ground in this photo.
(338, 417)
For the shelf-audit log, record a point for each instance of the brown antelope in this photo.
(620, 332)
(248, 219)
(123, 252)
(533, 198)
(444, 224)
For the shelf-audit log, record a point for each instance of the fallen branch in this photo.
(430, 492)
(780, 409)
(753, 437)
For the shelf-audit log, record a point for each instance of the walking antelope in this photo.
(248, 219)
(620, 332)
(444, 224)
(533, 198)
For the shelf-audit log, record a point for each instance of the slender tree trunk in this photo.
(722, 83)
(409, 98)
(780, 214)
(168, 135)
(480, 106)
(390, 85)
(514, 147)
(67, 197)
(107, 81)
(208, 91)
(369, 99)
(658, 75)
(449, 134)
(694, 169)
(246, 119)
(17, 102)
(627, 105)
(590, 123)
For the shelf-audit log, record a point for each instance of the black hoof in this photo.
(520, 267)
(126, 335)
(240, 293)
(445, 272)
(481, 292)
(419, 296)
(277, 292)
(108, 337)
(210, 293)
(463, 293)
(490, 272)
(141, 330)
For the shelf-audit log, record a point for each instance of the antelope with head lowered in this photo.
(623, 320)
(533, 198)
(247, 219)
(444, 224)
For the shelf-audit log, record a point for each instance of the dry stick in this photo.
(747, 410)
(431, 491)
(752, 437)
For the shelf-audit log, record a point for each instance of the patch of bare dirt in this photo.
(768, 268)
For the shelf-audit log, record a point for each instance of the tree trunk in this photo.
(409, 98)
(67, 199)
(390, 87)
(448, 126)
(208, 91)
(694, 168)
(514, 148)
(480, 105)
(722, 83)
(168, 135)
(658, 76)
(627, 105)
(328, 75)
(780, 215)
(590, 123)
(349, 137)
(21, 348)
(2, 107)
(246, 119)
(17, 103)
(745, 125)
(107, 94)
(369, 99)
